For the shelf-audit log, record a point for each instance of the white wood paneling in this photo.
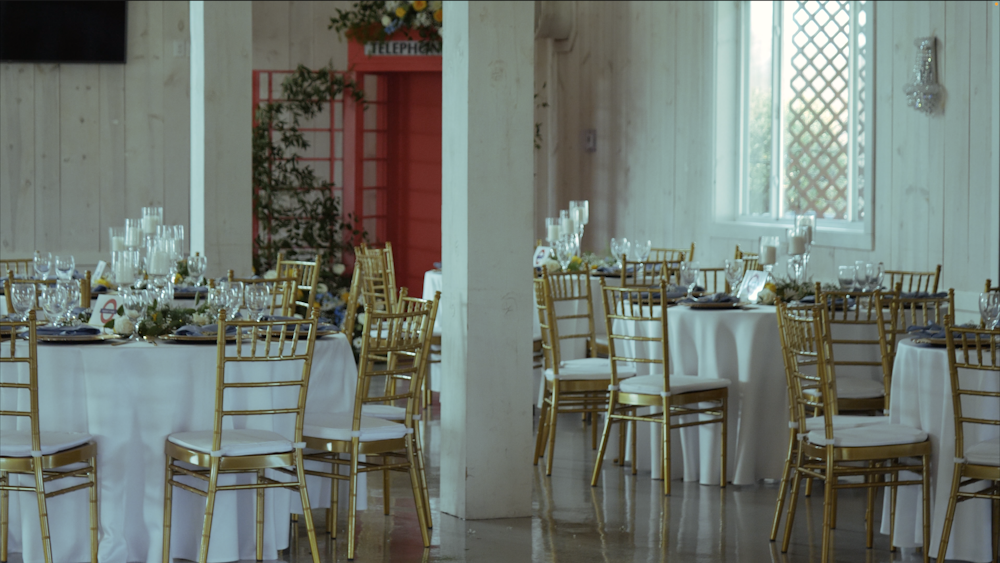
(47, 147)
(80, 159)
(17, 147)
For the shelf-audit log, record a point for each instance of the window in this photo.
(805, 140)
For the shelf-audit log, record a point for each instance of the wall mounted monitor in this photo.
(63, 32)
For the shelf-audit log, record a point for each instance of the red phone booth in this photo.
(392, 155)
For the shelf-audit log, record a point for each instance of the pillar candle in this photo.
(797, 245)
(768, 255)
(552, 232)
(117, 243)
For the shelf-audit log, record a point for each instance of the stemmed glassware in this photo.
(135, 303)
(125, 266)
(53, 301)
(734, 274)
(196, 266)
(989, 309)
(619, 247)
(689, 276)
(22, 296)
(257, 296)
(72, 288)
(868, 276)
(218, 299)
(845, 276)
(65, 267)
(641, 249)
(42, 265)
(565, 250)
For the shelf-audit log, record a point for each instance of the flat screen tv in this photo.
(63, 32)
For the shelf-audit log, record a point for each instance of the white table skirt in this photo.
(130, 398)
(921, 397)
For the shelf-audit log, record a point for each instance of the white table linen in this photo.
(130, 398)
(921, 397)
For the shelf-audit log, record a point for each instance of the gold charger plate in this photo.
(203, 339)
(940, 342)
(77, 338)
(712, 305)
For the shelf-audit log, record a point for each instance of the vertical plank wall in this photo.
(641, 75)
(86, 145)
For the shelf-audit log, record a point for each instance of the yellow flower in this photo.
(345, 296)
(419, 5)
(438, 15)
(178, 278)
(400, 12)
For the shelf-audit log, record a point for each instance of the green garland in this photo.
(371, 21)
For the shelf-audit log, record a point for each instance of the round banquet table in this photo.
(130, 398)
(921, 397)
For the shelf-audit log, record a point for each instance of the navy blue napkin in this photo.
(922, 295)
(207, 330)
(713, 298)
(932, 330)
(82, 330)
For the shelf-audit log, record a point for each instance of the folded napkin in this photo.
(207, 330)
(82, 330)
(922, 295)
(676, 293)
(713, 298)
(608, 269)
(932, 330)
(191, 289)
(437, 265)
(838, 302)
(98, 289)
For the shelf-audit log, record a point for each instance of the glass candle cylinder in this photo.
(152, 217)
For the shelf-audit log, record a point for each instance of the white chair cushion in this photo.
(587, 369)
(855, 388)
(386, 412)
(843, 421)
(234, 442)
(653, 384)
(18, 443)
(984, 453)
(338, 426)
(872, 435)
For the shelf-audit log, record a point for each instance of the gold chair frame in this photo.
(395, 335)
(671, 255)
(45, 468)
(644, 274)
(971, 349)
(626, 304)
(282, 291)
(751, 260)
(20, 266)
(268, 341)
(906, 311)
(84, 289)
(915, 281)
(803, 336)
(307, 275)
(584, 396)
(378, 277)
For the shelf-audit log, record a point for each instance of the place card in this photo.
(105, 309)
(753, 282)
(543, 253)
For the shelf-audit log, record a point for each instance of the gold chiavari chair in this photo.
(48, 456)
(990, 287)
(915, 281)
(282, 291)
(677, 395)
(858, 328)
(713, 280)
(21, 267)
(974, 350)
(803, 355)
(307, 276)
(905, 312)
(751, 261)
(832, 452)
(378, 277)
(353, 302)
(579, 385)
(283, 344)
(671, 255)
(643, 274)
(402, 336)
(84, 289)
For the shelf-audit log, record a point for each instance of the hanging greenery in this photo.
(296, 211)
(374, 21)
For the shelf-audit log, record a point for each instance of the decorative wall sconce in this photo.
(924, 93)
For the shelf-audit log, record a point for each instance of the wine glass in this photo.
(565, 248)
(218, 299)
(53, 301)
(257, 296)
(641, 249)
(65, 267)
(734, 273)
(861, 281)
(196, 266)
(845, 276)
(989, 309)
(72, 288)
(135, 302)
(42, 264)
(878, 275)
(22, 296)
(689, 276)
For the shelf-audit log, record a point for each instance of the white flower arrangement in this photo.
(200, 319)
(124, 325)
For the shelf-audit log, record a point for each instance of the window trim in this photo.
(731, 54)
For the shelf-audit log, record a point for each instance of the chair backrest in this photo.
(751, 261)
(15, 352)
(713, 280)
(9, 280)
(570, 287)
(807, 364)
(378, 277)
(643, 274)
(353, 301)
(973, 360)
(630, 316)
(307, 275)
(20, 266)
(854, 318)
(990, 287)
(283, 342)
(671, 255)
(905, 312)
(915, 281)
(395, 345)
(282, 291)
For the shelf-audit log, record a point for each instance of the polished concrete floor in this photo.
(625, 518)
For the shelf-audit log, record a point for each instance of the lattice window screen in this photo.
(824, 167)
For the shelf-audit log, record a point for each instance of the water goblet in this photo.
(65, 267)
(22, 296)
(53, 302)
(616, 251)
(878, 276)
(989, 309)
(734, 274)
(689, 276)
(42, 264)
(218, 299)
(257, 296)
(565, 251)
(861, 275)
(845, 276)
(196, 266)
(641, 249)
(72, 288)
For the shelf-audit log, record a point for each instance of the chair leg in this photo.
(604, 440)
(93, 510)
(168, 491)
(926, 484)
(949, 516)
(725, 428)
(893, 477)
(418, 499)
(783, 485)
(593, 429)
(666, 447)
(796, 483)
(869, 508)
(331, 513)
(306, 508)
(543, 423)
(4, 499)
(352, 499)
(206, 530)
(829, 496)
(386, 489)
(43, 514)
(996, 529)
(418, 454)
(833, 514)
(553, 416)
(622, 438)
(809, 487)
(260, 517)
(635, 439)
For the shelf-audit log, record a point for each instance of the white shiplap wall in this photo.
(641, 74)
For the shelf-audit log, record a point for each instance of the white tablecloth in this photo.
(921, 397)
(130, 398)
